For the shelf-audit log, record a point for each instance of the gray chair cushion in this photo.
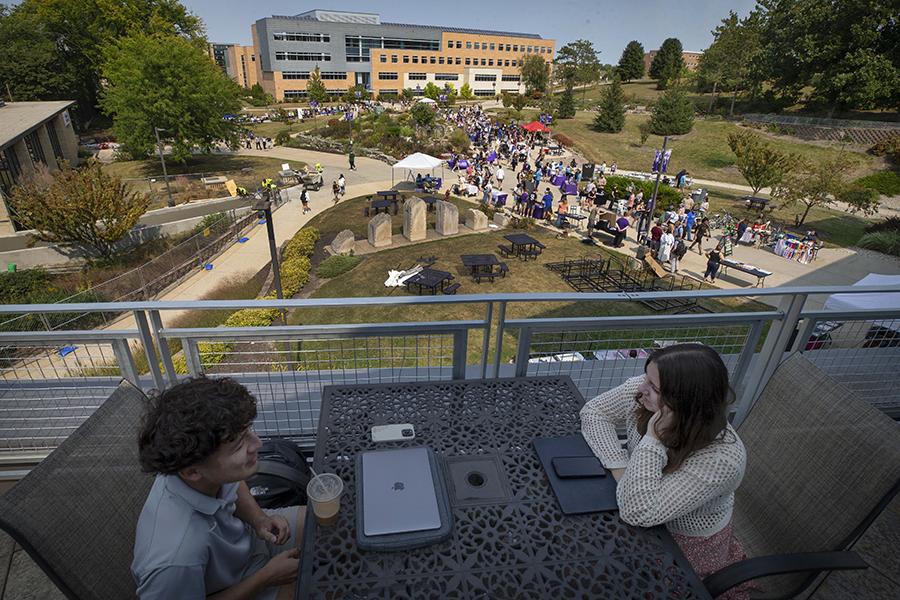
(819, 460)
(76, 512)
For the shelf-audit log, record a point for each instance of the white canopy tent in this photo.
(418, 162)
(871, 301)
(424, 100)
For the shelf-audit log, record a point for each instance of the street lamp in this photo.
(156, 130)
(263, 205)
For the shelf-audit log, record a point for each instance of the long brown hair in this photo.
(693, 384)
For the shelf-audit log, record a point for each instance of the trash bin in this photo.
(10, 267)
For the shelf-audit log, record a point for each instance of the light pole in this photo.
(263, 206)
(156, 130)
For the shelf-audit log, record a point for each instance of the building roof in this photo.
(16, 118)
(335, 16)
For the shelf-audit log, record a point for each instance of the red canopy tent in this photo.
(535, 126)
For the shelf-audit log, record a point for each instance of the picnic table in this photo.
(509, 538)
(755, 203)
(760, 274)
(377, 205)
(389, 195)
(430, 201)
(481, 265)
(524, 245)
(430, 279)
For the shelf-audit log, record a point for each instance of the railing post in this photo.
(486, 343)
(498, 340)
(803, 335)
(770, 356)
(746, 356)
(522, 352)
(163, 345)
(460, 353)
(126, 361)
(147, 340)
(192, 357)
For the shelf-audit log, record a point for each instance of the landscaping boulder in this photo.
(380, 230)
(414, 219)
(476, 220)
(501, 220)
(446, 218)
(343, 242)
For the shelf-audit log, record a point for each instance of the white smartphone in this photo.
(393, 433)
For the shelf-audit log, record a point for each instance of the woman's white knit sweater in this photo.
(695, 500)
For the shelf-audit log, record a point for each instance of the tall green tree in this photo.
(565, 107)
(535, 73)
(81, 31)
(37, 71)
(315, 89)
(465, 92)
(580, 64)
(848, 52)
(422, 114)
(631, 64)
(611, 111)
(728, 64)
(824, 183)
(165, 81)
(82, 209)
(432, 91)
(673, 114)
(668, 63)
(760, 164)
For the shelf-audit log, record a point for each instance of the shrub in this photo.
(887, 183)
(294, 275)
(333, 122)
(889, 224)
(459, 141)
(283, 137)
(887, 242)
(302, 244)
(336, 265)
(252, 317)
(889, 147)
(563, 139)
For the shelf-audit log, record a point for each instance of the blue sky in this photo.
(609, 24)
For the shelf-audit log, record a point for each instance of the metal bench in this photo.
(451, 290)
(505, 250)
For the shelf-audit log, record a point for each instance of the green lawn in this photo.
(640, 93)
(704, 152)
(189, 188)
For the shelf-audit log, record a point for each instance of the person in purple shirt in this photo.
(622, 224)
(548, 203)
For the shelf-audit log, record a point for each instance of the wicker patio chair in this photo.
(75, 513)
(821, 465)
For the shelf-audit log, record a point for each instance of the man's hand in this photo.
(274, 529)
(282, 568)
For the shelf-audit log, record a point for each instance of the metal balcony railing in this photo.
(50, 381)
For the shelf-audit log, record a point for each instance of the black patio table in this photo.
(430, 279)
(430, 201)
(377, 205)
(511, 543)
(480, 263)
(523, 241)
(389, 194)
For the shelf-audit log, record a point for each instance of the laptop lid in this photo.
(398, 492)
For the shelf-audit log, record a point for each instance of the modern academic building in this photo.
(359, 49)
(238, 62)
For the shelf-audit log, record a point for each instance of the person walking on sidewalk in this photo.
(304, 200)
(352, 158)
(336, 191)
(342, 183)
(713, 261)
(702, 231)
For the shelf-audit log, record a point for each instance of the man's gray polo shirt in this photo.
(189, 544)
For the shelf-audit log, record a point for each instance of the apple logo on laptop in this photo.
(398, 486)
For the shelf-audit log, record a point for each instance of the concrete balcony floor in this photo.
(21, 579)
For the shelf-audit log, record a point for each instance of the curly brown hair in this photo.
(185, 424)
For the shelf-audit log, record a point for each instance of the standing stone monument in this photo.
(501, 220)
(343, 242)
(476, 220)
(414, 219)
(447, 218)
(380, 230)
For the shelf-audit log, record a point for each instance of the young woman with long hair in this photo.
(683, 460)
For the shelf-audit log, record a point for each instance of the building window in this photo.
(415, 60)
(508, 47)
(417, 77)
(543, 50)
(468, 61)
(492, 45)
(468, 45)
(490, 62)
(432, 60)
(485, 77)
(295, 74)
(10, 170)
(515, 47)
(383, 58)
(530, 49)
(446, 77)
(485, 93)
(54, 141)
(405, 59)
(34, 148)
(301, 37)
(449, 44)
(506, 63)
(510, 78)
(307, 56)
(334, 75)
(384, 76)
(294, 94)
(458, 45)
(440, 60)
(483, 62)
(424, 60)
(393, 58)
(477, 46)
(457, 60)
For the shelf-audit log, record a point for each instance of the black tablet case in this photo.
(410, 539)
(580, 495)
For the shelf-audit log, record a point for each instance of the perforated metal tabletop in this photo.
(510, 543)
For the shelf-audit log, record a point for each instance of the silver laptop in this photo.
(398, 492)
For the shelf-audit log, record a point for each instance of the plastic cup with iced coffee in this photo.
(324, 492)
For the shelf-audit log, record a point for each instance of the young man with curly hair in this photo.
(201, 534)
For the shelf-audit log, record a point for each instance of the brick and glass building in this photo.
(691, 60)
(238, 62)
(359, 49)
(32, 133)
